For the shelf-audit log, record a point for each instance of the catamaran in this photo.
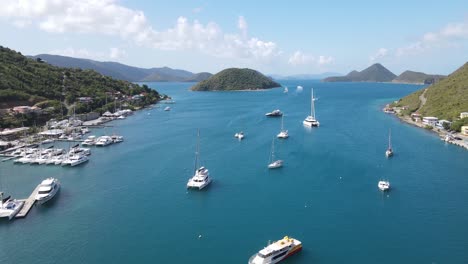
(277, 251)
(383, 185)
(239, 135)
(8, 207)
(202, 177)
(389, 151)
(283, 133)
(310, 120)
(274, 163)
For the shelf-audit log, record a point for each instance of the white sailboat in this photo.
(310, 120)
(389, 151)
(285, 89)
(201, 178)
(274, 163)
(283, 133)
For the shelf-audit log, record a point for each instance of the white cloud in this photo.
(300, 58)
(381, 53)
(116, 53)
(109, 18)
(324, 60)
(79, 53)
(448, 36)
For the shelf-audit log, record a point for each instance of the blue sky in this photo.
(283, 37)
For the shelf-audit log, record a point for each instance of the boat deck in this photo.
(28, 203)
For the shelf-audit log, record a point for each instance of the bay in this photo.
(129, 204)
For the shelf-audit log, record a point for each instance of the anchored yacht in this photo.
(239, 135)
(283, 133)
(273, 162)
(274, 113)
(277, 251)
(389, 151)
(47, 190)
(310, 120)
(202, 177)
(384, 185)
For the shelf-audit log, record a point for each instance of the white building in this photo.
(430, 120)
(463, 114)
(440, 123)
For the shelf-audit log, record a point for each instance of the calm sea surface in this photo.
(129, 204)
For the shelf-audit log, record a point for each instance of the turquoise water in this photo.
(129, 204)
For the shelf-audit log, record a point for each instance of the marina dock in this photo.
(28, 203)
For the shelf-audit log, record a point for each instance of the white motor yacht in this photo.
(75, 160)
(277, 251)
(117, 139)
(89, 141)
(239, 135)
(47, 190)
(104, 141)
(310, 120)
(8, 207)
(274, 113)
(384, 185)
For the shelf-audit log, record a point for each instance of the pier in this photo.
(28, 203)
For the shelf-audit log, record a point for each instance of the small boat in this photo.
(310, 120)
(448, 138)
(239, 135)
(167, 108)
(47, 141)
(47, 190)
(121, 117)
(75, 160)
(89, 141)
(104, 141)
(202, 177)
(283, 133)
(384, 185)
(389, 151)
(117, 138)
(286, 90)
(274, 113)
(8, 207)
(273, 162)
(277, 251)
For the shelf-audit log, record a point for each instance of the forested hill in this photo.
(236, 79)
(25, 81)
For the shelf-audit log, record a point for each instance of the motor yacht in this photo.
(274, 113)
(47, 190)
(277, 251)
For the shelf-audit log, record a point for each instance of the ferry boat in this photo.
(310, 120)
(277, 251)
(8, 207)
(384, 185)
(274, 113)
(47, 190)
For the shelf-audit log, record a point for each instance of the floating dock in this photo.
(28, 204)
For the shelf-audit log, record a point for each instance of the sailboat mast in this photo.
(389, 139)
(273, 150)
(312, 105)
(197, 150)
(282, 128)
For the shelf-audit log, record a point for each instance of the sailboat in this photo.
(202, 177)
(389, 151)
(283, 133)
(285, 89)
(310, 120)
(274, 163)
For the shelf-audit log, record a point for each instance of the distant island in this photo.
(378, 73)
(33, 92)
(235, 79)
(124, 72)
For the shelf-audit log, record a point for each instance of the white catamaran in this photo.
(310, 120)
(202, 177)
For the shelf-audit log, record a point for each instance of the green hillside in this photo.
(417, 78)
(25, 81)
(374, 73)
(236, 79)
(445, 99)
